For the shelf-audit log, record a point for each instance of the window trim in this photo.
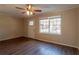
(52, 17)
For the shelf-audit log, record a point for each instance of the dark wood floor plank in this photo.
(28, 46)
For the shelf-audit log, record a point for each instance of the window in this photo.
(31, 23)
(44, 24)
(51, 25)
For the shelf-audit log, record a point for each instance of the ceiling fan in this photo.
(29, 9)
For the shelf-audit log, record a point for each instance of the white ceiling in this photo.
(10, 8)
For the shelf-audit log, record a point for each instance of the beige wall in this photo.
(25, 27)
(78, 27)
(69, 28)
(10, 27)
(29, 30)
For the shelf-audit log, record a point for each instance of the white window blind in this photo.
(51, 25)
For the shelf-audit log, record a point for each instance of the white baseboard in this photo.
(8, 38)
(58, 43)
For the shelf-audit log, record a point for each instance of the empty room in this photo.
(39, 29)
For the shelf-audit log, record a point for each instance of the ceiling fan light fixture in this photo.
(29, 7)
(29, 13)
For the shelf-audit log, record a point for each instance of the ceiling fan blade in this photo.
(23, 12)
(38, 10)
(20, 8)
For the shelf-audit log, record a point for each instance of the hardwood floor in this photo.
(27, 46)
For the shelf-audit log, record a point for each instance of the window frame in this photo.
(49, 18)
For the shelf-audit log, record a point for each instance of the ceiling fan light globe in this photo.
(31, 13)
(28, 13)
(29, 7)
